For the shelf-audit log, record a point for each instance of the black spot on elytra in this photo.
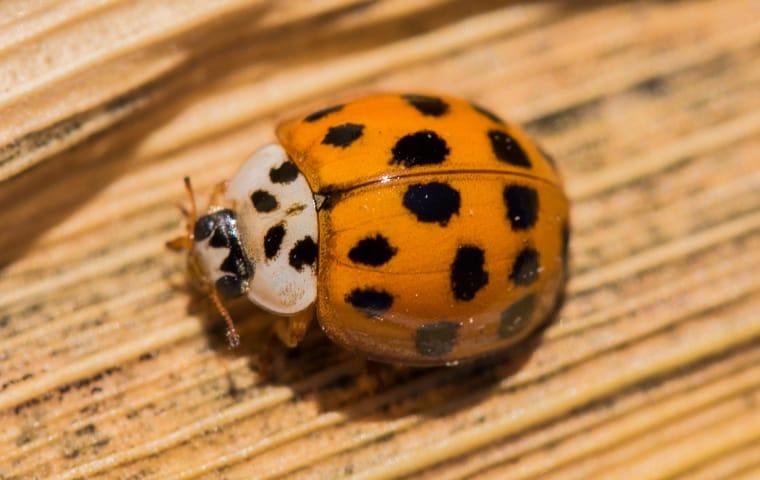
(273, 240)
(373, 251)
(285, 173)
(314, 116)
(343, 135)
(421, 148)
(522, 206)
(516, 316)
(432, 202)
(507, 149)
(487, 113)
(203, 228)
(304, 252)
(263, 201)
(467, 272)
(371, 301)
(429, 106)
(525, 267)
(436, 339)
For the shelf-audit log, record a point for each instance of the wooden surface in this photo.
(111, 368)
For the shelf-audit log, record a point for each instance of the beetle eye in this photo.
(203, 228)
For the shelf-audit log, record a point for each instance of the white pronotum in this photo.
(275, 212)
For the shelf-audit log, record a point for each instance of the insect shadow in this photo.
(320, 371)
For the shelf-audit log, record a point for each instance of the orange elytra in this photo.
(416, 229)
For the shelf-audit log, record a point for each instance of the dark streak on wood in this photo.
(559, 120)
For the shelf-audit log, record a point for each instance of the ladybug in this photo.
(417, 229)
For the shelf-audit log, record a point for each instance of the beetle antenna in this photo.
(193, 208)
(232, 336)
(185, 242)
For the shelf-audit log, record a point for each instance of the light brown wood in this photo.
(110, 367)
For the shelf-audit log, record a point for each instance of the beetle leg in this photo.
(266, 356)
(292, 329)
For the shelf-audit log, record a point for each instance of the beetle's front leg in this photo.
(291, 330)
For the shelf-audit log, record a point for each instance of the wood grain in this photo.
(110, 366)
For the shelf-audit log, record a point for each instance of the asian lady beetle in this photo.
(419, 230)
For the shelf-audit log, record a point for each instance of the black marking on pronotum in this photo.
(516, 316)
(420, 148)
(303, 253)
(314, 116)
(343, 135)
(432, 202)
(468, 274)
(285, 173)
(371, 301)
(428, 106)
(295, 209)
(522, 206)
(507, 149)
(263, 201)
(436, 339)
(487, 113)
(525, 267)
(273, 240)
(373, 251)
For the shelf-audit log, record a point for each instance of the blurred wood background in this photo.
(111, 368)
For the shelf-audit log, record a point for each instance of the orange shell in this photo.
(438, 290)
(387, 118)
